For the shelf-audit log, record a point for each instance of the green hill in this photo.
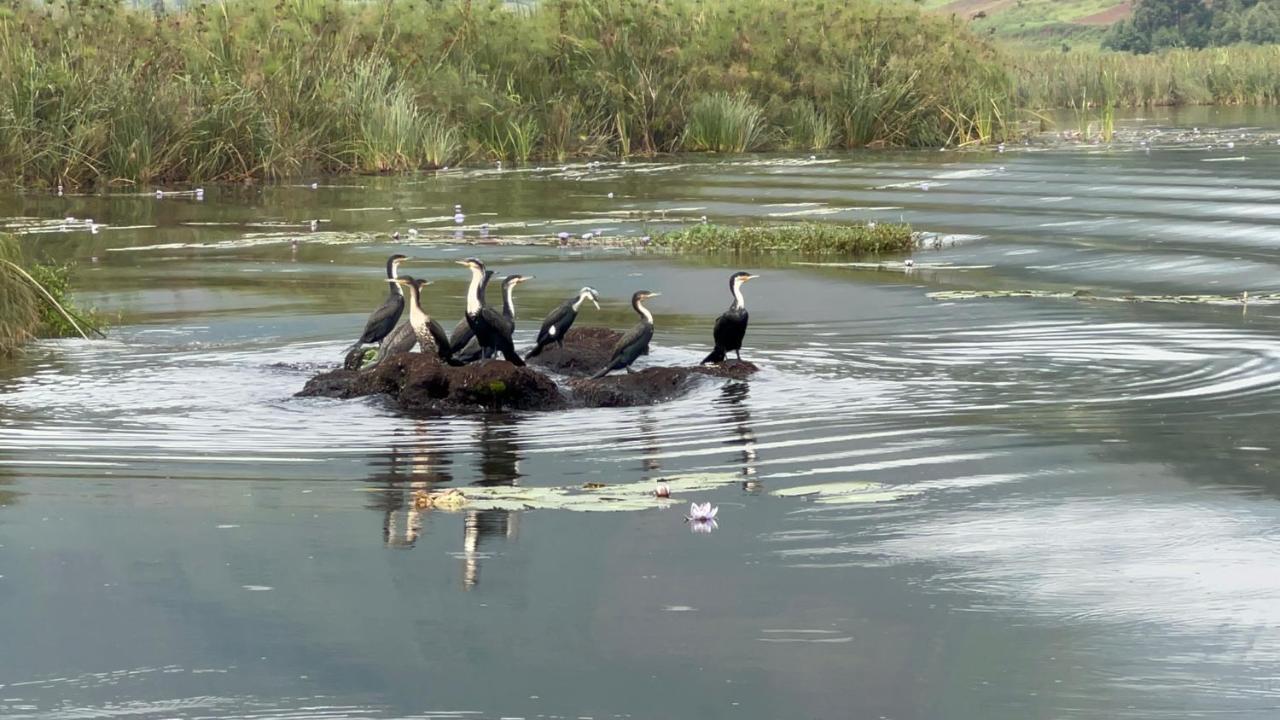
(1036, 20)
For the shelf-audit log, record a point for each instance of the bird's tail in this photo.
(352, 349)
(602, 373)
(716, 356)
(509, 352)
(535, 352)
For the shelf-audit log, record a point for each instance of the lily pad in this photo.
(845, 493)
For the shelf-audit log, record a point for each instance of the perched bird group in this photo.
(485, 332)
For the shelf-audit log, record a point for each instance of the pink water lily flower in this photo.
(703, 513)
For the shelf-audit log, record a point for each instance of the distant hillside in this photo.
(1036, 20)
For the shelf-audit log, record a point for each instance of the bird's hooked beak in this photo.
(651, 295)
(524, 278)
(750, 277)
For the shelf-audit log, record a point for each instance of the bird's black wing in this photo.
(632, 345)
(502, 328)
(462, 334)
(382, 320)
(556, 323)
(442, 346)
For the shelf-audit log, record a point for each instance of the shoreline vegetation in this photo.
(34, 301)
(93, 92)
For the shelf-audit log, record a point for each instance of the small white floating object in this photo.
(587, 236)
(562, 235)
(59, 190)
(1000, 147)
(704, 219)
(395, 235)
(94, 259)
(484, 230)
(610, 196)
(315, 186)
(199, 193)
(413, 232)
(645, 239)
(924, 186)
(871, 225)
(813, 157)
(459, 218)
(68, 219)
(93, 229)
(703, 512)
(159, 194)
(314, 223)
(1230, 145)
(909, 263)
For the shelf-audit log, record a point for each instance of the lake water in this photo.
(1076, 509)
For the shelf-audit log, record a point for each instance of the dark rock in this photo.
(651, 385)
(585, 351)
(419, 382)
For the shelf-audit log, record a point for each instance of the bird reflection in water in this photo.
(649, 437)
(499, 466)
(735, 413)
(410, 467)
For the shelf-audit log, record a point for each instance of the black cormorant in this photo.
(558, 321)
(636, 342)
(731, 326)
(491, 328)
(383, 320)
(429, 333)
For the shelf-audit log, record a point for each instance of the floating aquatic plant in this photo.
(593, 498)
(1243, 298)
(808, 238)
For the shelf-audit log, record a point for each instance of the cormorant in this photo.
(558, 321)
(382, 320)
(636, 342)
(462, 334)
(426, 329)
(473, 351)
(731, 326)
(491, 328)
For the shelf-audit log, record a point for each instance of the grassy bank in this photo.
(34, 300)
(1239, 75)
(94, 92)
(805, 238)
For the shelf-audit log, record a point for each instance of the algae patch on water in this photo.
(808, 238)
(1243, 298)
(594, 497)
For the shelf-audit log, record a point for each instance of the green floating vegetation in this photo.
(1242, 299)
(845, 493)
(594, 498)
(806, 238)
(34, 301)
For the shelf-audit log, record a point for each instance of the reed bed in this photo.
(1237, 75)
(96, 92)
(34, 300)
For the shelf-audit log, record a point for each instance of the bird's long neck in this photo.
(644, 313)
(582, 297)
(509, 300)
(393, 272)
(739, 302)
(417, 315)
(474, 301)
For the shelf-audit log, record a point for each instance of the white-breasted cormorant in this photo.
(473, 351)
(462, 335)
(383, 320)
(731, 327)
(492, 329)
(636, 342)
(559, 320)
(429, 333)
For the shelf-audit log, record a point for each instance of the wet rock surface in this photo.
(420, 383)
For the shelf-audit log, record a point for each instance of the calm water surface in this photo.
(1087, 520)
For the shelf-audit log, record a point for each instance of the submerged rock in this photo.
(419, 382)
